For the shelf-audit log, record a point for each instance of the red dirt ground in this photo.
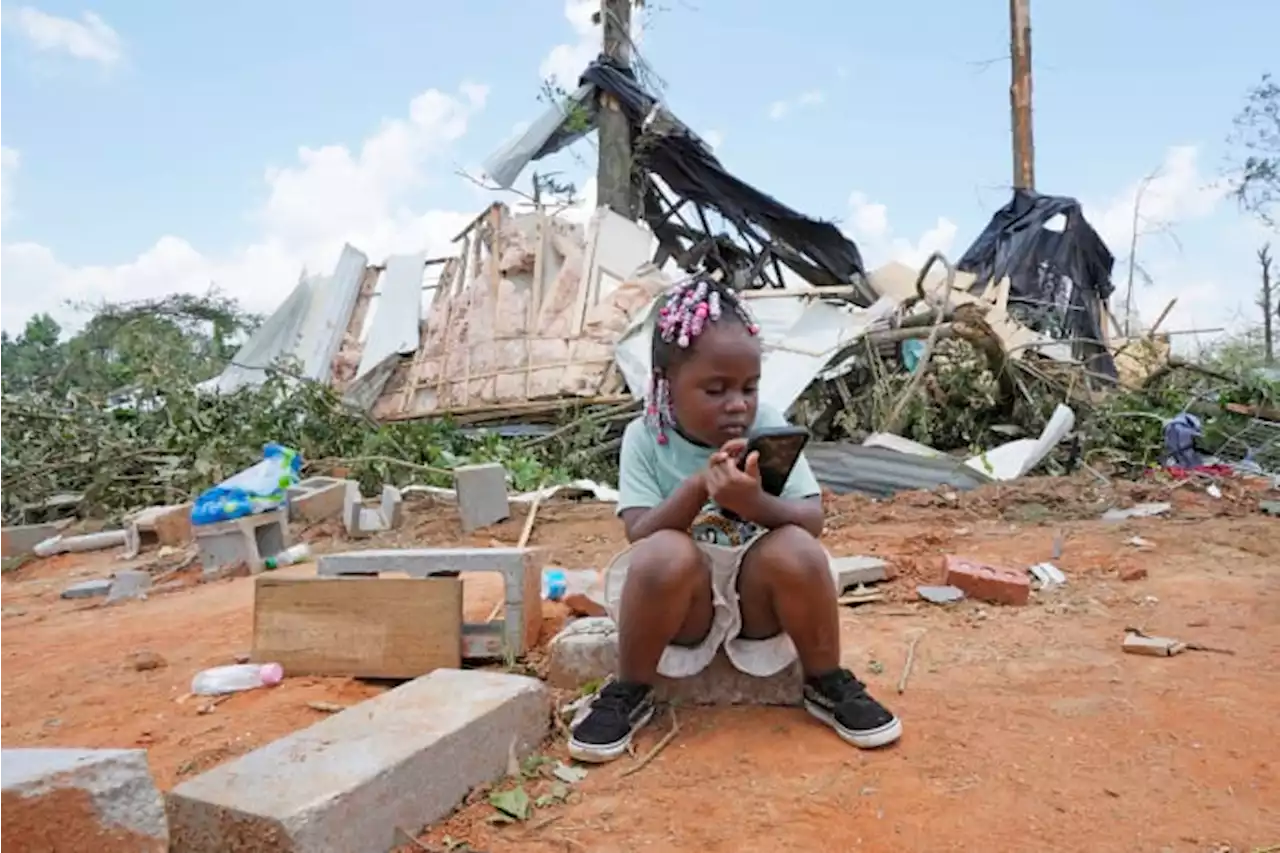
(1026, 728)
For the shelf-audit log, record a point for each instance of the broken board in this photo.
(358, 627)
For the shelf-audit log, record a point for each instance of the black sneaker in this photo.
(842, 702)
(618, 711)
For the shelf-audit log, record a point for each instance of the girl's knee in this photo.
(667, 559)
(793, 554)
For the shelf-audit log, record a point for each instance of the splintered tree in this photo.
(1269, 302)
(1255, 142)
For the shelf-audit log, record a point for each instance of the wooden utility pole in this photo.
(1266, 301)
(613, 172)
(1024, 150)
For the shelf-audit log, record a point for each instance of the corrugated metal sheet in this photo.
(332, 300)
(881, 472)
(274, 338)
(396, 314)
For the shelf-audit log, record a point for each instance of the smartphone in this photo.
(779, 449)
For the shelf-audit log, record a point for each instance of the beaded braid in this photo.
(690, 305)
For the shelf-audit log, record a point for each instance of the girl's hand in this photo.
(733, 488)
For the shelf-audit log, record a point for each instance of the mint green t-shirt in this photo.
(649, 472)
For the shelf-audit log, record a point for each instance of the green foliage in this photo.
(66, 429)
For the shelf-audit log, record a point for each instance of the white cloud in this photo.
(567, 61)
(780, 109)
(1174, 192)
(89, 38)
(869, 227)
(9, 161)
(331, 195)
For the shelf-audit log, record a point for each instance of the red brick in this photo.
(988, 583)
(1132, 573)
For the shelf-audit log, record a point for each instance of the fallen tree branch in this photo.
(658, 747)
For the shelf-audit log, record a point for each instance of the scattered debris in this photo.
(1146, 510)
(1138, 643)
(940, 594)
(570, 774)
(326, 707)
(987, 583)
(128, 585)
(1048, 575)
(657, 748)
(860, 595)
(76, 544)
(858, 570)
(1270, 507)
(145, 659)
(88, 589)
(911, 659)
(1139, 542)
(1132, 573)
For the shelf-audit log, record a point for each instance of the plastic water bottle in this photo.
(297, 554)
(233, 679)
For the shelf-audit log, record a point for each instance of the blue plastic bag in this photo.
(260, 488)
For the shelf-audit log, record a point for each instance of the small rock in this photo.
(145, 659)
(326, 707)
(1132, 573)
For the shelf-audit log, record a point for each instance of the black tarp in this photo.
(816, 250)
(1056, 277)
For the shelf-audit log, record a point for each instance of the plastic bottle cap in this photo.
(271, 674)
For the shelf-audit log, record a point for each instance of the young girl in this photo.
(715, 560)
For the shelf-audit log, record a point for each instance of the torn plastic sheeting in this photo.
(1067, 270)
(581, 488)
(818, 251)
(1016, 458)
(397, 311)
(844, 467)
(800, 337)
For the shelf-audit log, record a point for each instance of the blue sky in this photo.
(158, 147)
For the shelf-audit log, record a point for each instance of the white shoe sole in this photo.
(596, 753)
(871, 739)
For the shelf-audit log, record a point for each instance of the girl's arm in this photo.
(771, 512)
(676, 512)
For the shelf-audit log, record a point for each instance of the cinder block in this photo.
(514, 634)
(987, 583)
(316, 499)
(75, 800)
(851, 571)
(361, 521)
(482, 495)
(587, 650)
(173, 527)
(246, 541)
(125, 585)
(22, 539)
(403, 759)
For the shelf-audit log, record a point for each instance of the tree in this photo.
(1255, 159)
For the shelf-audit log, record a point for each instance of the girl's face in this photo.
(713, 389)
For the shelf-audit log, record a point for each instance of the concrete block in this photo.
(74, 800)
(987, 583)
(482, 495)
(851, 571)
(173, 527)
(22, 539)
(88, 589)
(514, 634)
(126, 585)
(403, 759)
(316, 499)
(361, 521)
(247, 541)
(587, 650)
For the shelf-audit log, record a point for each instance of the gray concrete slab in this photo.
(403, 759)
(851, 571)
(68, 800)
(482, 495)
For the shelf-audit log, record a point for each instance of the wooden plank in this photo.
(360, 627)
